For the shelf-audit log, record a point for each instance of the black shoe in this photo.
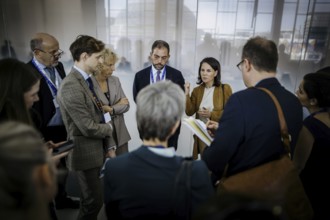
(67, 203)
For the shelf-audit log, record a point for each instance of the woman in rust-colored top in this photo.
(208, 99)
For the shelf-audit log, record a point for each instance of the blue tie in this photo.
(51, 71)
(90, 84)
(91, 87)
(158, 76)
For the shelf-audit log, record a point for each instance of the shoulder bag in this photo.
(276, 181)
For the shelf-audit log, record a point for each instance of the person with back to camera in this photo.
(109, 90)
(248, 133)
(207, 100)
(124, 65)
(87, 125)
(141, 184)
(27, 174)
(313, 145)
(158, 71)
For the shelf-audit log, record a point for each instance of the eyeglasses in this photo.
(239, 65)
(56, 54)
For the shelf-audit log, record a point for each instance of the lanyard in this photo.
(48, 81)
(152, 75)
(157, 146)
(99, 104)
(97, 101)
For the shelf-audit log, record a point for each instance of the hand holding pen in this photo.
(212, 127)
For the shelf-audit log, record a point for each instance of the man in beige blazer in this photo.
(85, 123)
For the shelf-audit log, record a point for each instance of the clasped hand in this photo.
(108, 108)
(204, 113)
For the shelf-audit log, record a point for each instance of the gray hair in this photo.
(37, 41)
(159, 107)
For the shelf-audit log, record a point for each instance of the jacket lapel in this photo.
(83, 83)
(112, 90)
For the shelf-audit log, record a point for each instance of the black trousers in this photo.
(173, 141)
(91, 188)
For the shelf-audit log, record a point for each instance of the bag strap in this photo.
(286, 137)
(188, 164)
(183, 178)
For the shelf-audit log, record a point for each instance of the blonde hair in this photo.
(108, 55)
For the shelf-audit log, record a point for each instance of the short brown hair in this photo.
(85, 43)
(262, 53)
(160, 44)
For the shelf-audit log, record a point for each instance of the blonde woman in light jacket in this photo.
(108, 89)
(208, 99)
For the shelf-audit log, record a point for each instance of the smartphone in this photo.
(63, 147)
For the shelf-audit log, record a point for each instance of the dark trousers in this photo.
(122, 149)
(62, 177)
(91, 199)
(173, 140)
(52, 211)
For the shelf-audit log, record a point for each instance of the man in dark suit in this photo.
(87, 125)
(46, 54)
(158, 71)
(45, 112)
(248, 133)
